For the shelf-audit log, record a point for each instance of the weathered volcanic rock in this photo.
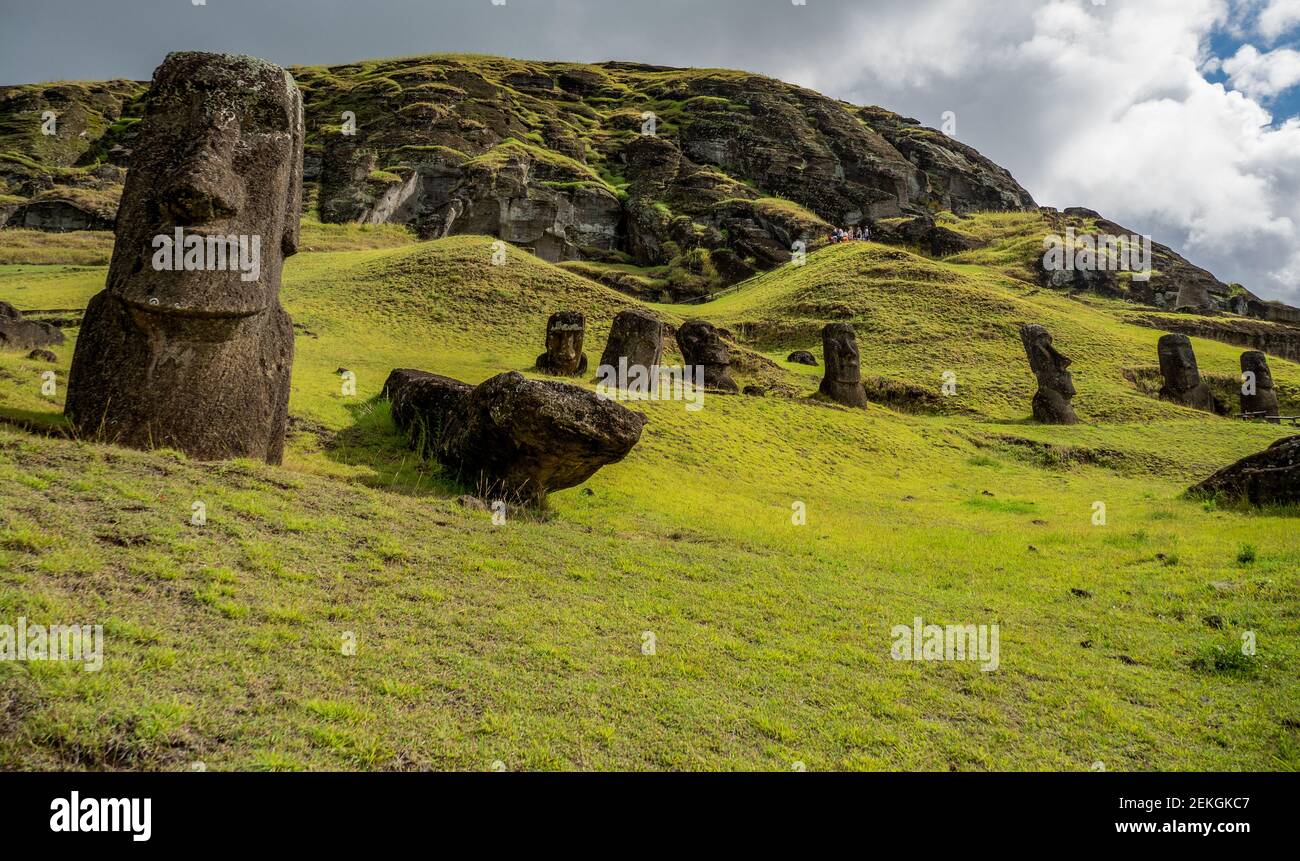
(198, 358)
(1182, 378)
(1194, 298)
(512, 437)
(421, 402)
(636, 337)
(1271, 477)
(1261, 398)
(842, 380)
(802, 357)
(42, 356)
(59, 215)
(701, 346)
(1051, 369)
(17, 333)
(564, 356)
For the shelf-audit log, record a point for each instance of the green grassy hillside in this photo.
(523, 643)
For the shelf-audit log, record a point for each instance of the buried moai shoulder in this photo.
(188, 347)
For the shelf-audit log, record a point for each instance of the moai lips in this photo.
(564, 356)
(1051, 369)
(842, 380)
(1182, 378)
(188, 347)
(701, 346)
(1257, 394)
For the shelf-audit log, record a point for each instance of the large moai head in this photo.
(564, 334)
(842, 379)
(1255, 363)
(188, 347)
(218, 155)
(1178, 363)
(637, 338)
(1257, 393)
(1182, 378)
(701, 346)
(1052, 371)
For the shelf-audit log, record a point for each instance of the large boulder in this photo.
(188, 346)
(1052, 401)
(802, 357)
(702, 347)
(1257, 393)
(511, 437)
(17, 333)
(564, 356)
(1182, 378)
(1271, 477)
(842, 380)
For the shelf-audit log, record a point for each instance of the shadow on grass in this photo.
(37, 421)
(374, 442)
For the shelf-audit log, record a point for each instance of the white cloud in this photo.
(1263, 75)
(1109, 107)
(1278, 17)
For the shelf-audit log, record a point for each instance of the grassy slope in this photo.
(522, 642)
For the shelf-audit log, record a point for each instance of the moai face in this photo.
(1178, 363)
(1049, 365)
(1257, 363)
(219, 157)
(700, 344)
(564, 334)
(840, 348)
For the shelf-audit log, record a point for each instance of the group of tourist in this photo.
(850, 234)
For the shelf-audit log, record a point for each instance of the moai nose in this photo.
(206, 187)
(196, 199)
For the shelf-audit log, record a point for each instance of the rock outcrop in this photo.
(564, 356)
(558, 158)
(60, 214)
(512, 438)
(1257, 393)
(1271, 477)
(702, 347)
(636, 339)
(1052, 402)
(1182, 378)
(198, 357)
(17, 333)
(802, 357)
(1273, 338)
(842, 379)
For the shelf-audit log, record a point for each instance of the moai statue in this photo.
(188, 347)
(1052, 370)
(701, 346)
(1257, 393)
(1182, 378)
(564, 356)
(636, 338)
(842, 379)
